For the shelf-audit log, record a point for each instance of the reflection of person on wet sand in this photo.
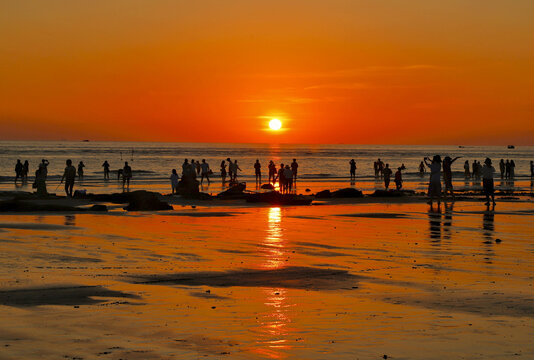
(487, 181)
(447, 220)
(434, 221)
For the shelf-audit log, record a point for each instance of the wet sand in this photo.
(350, 279)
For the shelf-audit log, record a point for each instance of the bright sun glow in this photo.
(275, 124)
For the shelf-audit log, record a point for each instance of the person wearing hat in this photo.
(434, 186)
(487, 181)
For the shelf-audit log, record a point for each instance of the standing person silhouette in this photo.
(375, 167)
(512, 169)
(223, 172)
(288, 176)
(69, 176)
(434, 186)
(386, 172)
(421, 169)
(230, 169)
(531, 169)
(487, 181)
(126, 176)
(507, 169)
(257, 171)
(235, 169)
(294, 168)
(105, 165)
(380, 167)
(447, 175)
(281, 178)
(502, 168)
(272, 172)
(174, 182)
(81, 165)
(43, 167)
(398, 178)
(185, 167)
(18, 170)
(352, 169)
(204, 171)
(467, 173)
(25, 170)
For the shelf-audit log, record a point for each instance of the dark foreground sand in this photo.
(354, 279)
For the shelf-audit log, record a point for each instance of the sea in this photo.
(320, 166)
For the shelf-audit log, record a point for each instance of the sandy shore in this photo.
(353, 278)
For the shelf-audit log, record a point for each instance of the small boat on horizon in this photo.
(511, 147)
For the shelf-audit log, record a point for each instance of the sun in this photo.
(275, 124)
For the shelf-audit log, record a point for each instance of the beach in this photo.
(341, 278)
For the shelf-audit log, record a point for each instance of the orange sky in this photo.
(395, 71)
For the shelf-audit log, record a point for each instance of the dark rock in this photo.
(498, 240)
(24, 206)
(387, 193)
(307, 190)
(234, 192)
(98, 207)
(268, 186)
(325, 194)
(275, 198)
(347, 193)
(188, 185)
(146, 201)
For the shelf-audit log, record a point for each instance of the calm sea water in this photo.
(152, 162)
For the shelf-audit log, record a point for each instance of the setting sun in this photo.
(275, 124)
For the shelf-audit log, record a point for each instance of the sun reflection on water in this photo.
(273, 243)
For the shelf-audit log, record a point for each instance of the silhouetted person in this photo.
(185, 167)
(235, 168)
(512, 169)
(474, 169)
(40, 181)
(531, 169)
(281, 177)
(25, 170)
(398, 178)
(380, 164)
(230, 169)
(386, 172)
(507, 169)
(204, 171)
(223, 172)
(272, 172)
(105, 165)
(198, 167)
(126, 176)
(502, 168)
(422, 169)
(81, 165)
(18, 170)
(487, 181)
(294, 169)
(467, 173)
(375, 168)
(257, 171)
(288, 179)
(434, 186)
(352, 169)
(174, 182)
(447, 174)
(69, 176)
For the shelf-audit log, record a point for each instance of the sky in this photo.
(335, 71)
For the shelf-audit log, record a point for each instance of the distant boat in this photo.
(86, 141)
(461, 147)
(511, 147)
